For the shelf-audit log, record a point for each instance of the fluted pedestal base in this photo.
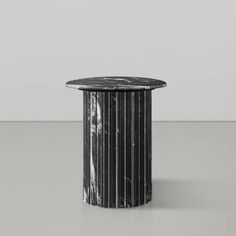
(117, 148)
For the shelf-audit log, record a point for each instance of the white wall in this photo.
(190, 44)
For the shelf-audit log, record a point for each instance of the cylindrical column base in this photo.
(117, 148)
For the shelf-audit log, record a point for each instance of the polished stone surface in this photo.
(116, 83)
(117, 139)
(117, 148)
(194, 179)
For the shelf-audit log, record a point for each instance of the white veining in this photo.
(93, 132)
(99, 118)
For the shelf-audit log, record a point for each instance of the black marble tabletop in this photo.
(115, 83)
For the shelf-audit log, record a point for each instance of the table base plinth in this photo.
(117, 148)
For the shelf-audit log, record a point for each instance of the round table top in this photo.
(114, 83)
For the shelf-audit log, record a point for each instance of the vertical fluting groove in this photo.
(120, 132)
(132, 145)
(93, 149)
(117, 148)
(149, 151)
(128, 151)
(108, 146)
(85, 145)
(88, 144)
(99, 147)
(136, 149)
(103, 150)
(144, 145)
(106, 151)
(125, 174)
(95, 157)
(139, 147)
(101, 144)
(113, 151)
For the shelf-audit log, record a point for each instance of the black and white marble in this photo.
(117, 140)
(115, 83)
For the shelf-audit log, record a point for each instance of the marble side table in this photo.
(117, 139)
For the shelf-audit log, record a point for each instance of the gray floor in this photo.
(194, 183)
